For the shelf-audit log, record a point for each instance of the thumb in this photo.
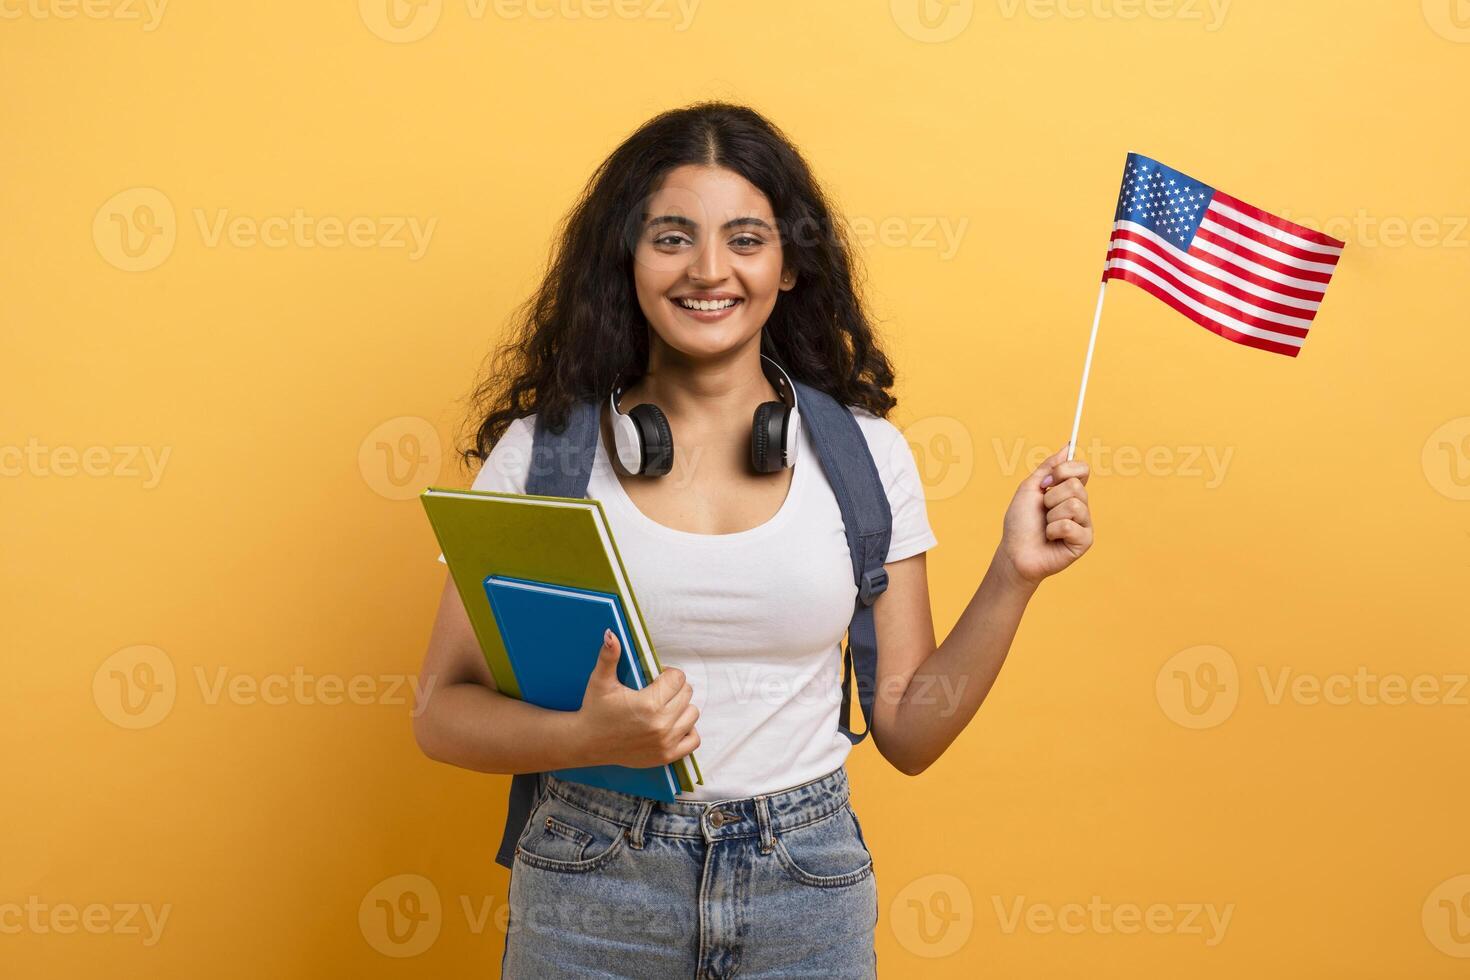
(605, 671)
(1044, 470)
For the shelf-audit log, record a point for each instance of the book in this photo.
(557, 542)
(534, 617)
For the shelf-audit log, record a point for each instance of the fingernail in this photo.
(1047, 481)
(607, 636)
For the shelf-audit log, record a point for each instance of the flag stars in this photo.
(1167, 203)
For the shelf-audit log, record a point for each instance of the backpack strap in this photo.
(867, 519)
(561, 462)
(561, 465)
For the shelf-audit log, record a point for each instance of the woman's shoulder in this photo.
(519, 431)
(898, 469)
(887, 443)
(879, 432)
(509, 461)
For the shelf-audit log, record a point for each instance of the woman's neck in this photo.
(709, 394)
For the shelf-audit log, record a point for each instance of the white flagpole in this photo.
(1086, 369)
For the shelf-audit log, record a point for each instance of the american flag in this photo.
(1247, 275)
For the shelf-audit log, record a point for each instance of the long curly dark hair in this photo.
(583, 329)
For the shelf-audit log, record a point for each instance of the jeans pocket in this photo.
(562, 837)
(827, 853)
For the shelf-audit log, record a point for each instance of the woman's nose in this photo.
(708, 264)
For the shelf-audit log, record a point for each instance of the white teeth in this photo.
(707, 304)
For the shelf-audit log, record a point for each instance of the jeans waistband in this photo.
(760, 816)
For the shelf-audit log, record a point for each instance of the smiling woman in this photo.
(710, 201)
(701, 281)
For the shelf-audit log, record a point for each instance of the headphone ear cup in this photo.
(657, 439)
(767, 435)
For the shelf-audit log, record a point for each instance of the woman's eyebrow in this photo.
(683, 222)
(749, 220)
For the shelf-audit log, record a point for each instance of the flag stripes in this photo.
(1240, 272)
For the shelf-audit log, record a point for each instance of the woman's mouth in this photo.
(707, 310)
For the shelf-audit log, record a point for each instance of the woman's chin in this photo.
(702, 339)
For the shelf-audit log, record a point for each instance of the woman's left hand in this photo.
(1048, 525)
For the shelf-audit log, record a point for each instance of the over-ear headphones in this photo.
(645, 443)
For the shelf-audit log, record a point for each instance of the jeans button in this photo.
(717, 818)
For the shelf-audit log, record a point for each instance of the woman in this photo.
(702, 239)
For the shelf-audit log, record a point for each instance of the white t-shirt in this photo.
(756, 618)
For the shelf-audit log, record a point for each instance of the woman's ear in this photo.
(788, 279)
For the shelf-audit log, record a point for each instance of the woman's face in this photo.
(707, 238)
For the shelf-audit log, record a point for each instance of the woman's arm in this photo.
(464, 721)
(927, 694)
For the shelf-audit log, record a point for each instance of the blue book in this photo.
(552, 634)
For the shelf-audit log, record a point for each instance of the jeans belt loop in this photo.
(640, 822)
(763, 822)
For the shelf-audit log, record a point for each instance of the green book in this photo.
(560, 540)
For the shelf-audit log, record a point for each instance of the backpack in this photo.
(561, 465)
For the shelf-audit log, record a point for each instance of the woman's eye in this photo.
(676, 240)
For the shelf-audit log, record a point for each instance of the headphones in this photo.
(645, 443)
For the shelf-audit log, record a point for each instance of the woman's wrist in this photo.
(1005, 578)
(582, 745)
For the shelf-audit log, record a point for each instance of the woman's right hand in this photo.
(651, 727)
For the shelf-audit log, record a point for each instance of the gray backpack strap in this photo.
(561, 465)
(561, 462)
(868, 521)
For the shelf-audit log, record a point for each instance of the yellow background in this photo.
(303, 392)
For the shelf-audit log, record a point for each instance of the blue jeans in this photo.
(605, 884)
